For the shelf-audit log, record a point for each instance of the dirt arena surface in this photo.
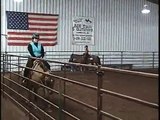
(132, 85)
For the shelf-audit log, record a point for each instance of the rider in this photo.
(86, 54)
(35, 49)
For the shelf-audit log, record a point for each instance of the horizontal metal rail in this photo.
(31, 102)
(111, 69)
(92, 107)
(146, 103)
(39, 97)
(151, 75)
(30, 92)
(103, 68)
(139, 101)
(15, 101)
(34, 82)
(106, 56)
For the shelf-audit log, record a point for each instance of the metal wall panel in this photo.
(119, 24)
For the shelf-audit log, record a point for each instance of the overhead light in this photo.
(145, 10)
(18, 1)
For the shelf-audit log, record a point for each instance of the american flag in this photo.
(21, 26)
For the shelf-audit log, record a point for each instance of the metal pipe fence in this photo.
(116, 59)
(6, 88)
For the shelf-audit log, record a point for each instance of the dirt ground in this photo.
(132, 85)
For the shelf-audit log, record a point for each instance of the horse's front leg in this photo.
(35, 90)
(50, 83)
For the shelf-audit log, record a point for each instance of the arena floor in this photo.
(131, 85)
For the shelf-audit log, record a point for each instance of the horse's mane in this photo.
(41, 64)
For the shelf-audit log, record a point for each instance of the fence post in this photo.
(121, 58)
(99, 93)
(103, 59)
(6, 62)
(4, 67)
(64, 90)
(153, 60)
(60, 99)
(10, 70)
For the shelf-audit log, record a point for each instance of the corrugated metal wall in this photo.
(119, 24)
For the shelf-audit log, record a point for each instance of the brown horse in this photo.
(91, 59)
(40, 78)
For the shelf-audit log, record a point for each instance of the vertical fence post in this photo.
(64, 89)
(10, 57)
(60, 100)
(153, 55)
(3, 72)
(6, 62)
(121, 58)
(99, 94)
(18, 68)
(103, 59)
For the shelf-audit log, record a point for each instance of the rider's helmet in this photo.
(86, 46)
(35, 35)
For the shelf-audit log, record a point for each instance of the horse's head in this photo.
(39, 66)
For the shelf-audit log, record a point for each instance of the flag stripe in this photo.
(30, 34)
(24, 41)
(42, 21)
(25, 44)
(41, 14)
(43, 29)
(45, 19)
(44, 24)
(29, 39)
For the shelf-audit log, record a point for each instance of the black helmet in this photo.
(86, 46)
(35, 35)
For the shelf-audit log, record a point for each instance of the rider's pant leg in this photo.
(29, 64)
(47, 64)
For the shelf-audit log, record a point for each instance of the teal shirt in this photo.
(36, 49)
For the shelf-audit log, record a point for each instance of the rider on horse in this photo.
(86, 54)
(35, 49)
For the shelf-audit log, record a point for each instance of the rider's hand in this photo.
(39, 56)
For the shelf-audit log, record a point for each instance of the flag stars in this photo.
(17, 20)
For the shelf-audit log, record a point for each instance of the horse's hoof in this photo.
(50, 92)
(49, 110)
(35, 108)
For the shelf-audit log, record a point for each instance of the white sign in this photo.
(83, 30)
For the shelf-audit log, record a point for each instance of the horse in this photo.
(91, 59)
(39, 78)
(75, 58)
(94, 60)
